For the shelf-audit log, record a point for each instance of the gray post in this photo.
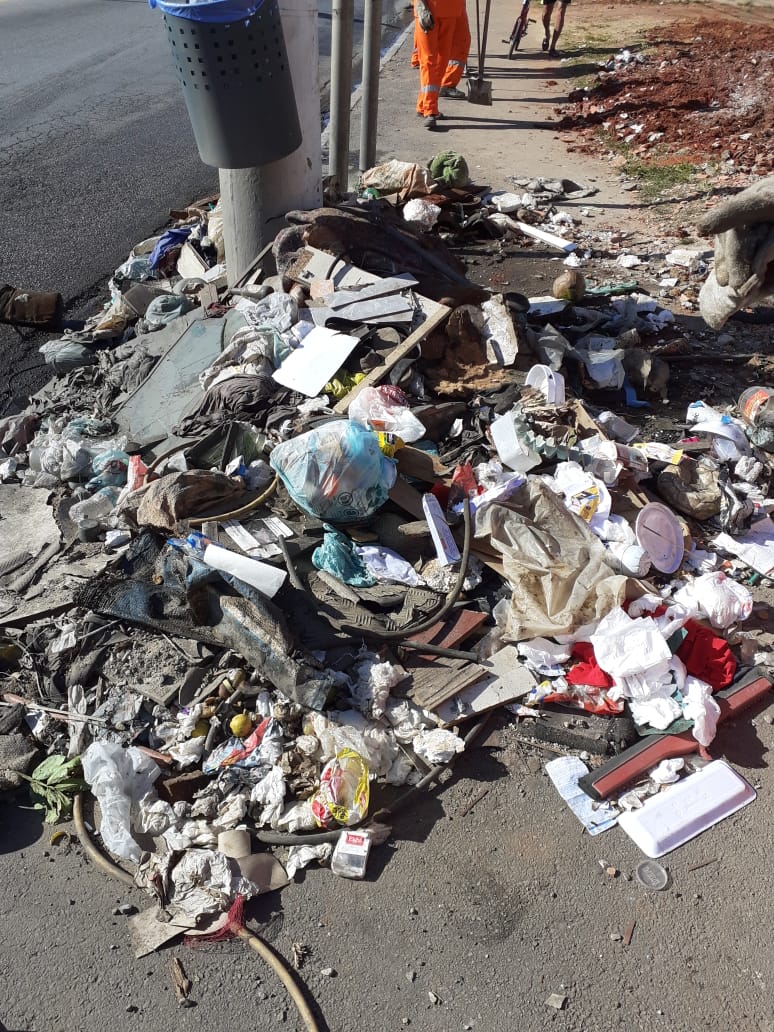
(341, 91)
(255, 200)
(369, 104)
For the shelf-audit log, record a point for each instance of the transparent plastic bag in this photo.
(343, 794)
(336, 472)
(119, 778)
(386, 408)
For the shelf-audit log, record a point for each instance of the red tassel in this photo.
(234, 922)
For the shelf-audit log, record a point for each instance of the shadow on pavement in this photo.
(20, 827)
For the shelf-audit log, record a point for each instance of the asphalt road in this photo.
(95, 148)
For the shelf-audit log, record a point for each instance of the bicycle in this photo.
(519, 29)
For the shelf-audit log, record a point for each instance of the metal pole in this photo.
(254, 200)
(342, 16)
(369, 104)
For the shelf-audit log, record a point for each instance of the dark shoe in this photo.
(545, 43)
(430, 123)
(453, 92)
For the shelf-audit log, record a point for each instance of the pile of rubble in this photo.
(271, 554)
(701, 97)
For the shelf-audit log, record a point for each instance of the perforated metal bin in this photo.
(237, 86)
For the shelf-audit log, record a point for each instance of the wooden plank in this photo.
(506, 679)
(436, 315)
(408, 498)
(435, 682)
(422, 465)
(448, 634)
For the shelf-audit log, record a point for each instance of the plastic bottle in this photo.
(98, 506)
(756, 406)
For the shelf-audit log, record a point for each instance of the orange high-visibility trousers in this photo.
(415, 51)
(434, 52)
(459, 52)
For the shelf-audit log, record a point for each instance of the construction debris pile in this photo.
(699, 96)
(271, 554)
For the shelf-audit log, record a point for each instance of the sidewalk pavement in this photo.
(518, 134)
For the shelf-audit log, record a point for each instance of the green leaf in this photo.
(56, 768)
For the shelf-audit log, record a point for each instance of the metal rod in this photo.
(342, 16)
(369, 105)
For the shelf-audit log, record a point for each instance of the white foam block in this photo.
(674, 817)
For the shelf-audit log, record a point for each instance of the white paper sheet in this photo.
(316, 361)
(756, 547)
(565, 772)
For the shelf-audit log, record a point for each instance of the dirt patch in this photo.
(699, 92)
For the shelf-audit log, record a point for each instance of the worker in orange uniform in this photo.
(459, 58)
(457, 61)
(437, 21)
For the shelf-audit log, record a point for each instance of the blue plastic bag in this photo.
(222, 12)
(336, 472)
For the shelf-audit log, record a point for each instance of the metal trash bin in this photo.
(232, 63)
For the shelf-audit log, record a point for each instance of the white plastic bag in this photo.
(386, 408)
(119, 778)
(717, 597)
(421, 212)
(437, 746)
(701, 708)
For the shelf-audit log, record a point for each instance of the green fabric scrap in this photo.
(449, 169)
(337, 555)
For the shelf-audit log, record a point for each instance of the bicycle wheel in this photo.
(518, 32)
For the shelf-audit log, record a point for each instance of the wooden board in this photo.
(506, 679)
(450, 632)
(435, 682)
(436, 314)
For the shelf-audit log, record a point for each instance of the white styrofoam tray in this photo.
(672, 818)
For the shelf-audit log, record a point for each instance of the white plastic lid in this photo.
(659, 532)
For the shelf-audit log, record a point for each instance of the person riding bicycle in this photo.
(549, 43)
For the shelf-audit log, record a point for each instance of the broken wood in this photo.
(439, 681)
(450, 632)
(435, 316)
(181, 982)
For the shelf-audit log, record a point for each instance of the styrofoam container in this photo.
(674, 817)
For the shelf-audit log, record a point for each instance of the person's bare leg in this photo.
(547, 11)
(558, 26)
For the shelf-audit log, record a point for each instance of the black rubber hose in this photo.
(439, 614)
(439, 650)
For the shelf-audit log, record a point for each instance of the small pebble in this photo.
(433, 998)
(557, 1001)
(616, 936)
(328, 972)
(124, 910)
(131, 1009)
(411, 975)
(413, 910)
